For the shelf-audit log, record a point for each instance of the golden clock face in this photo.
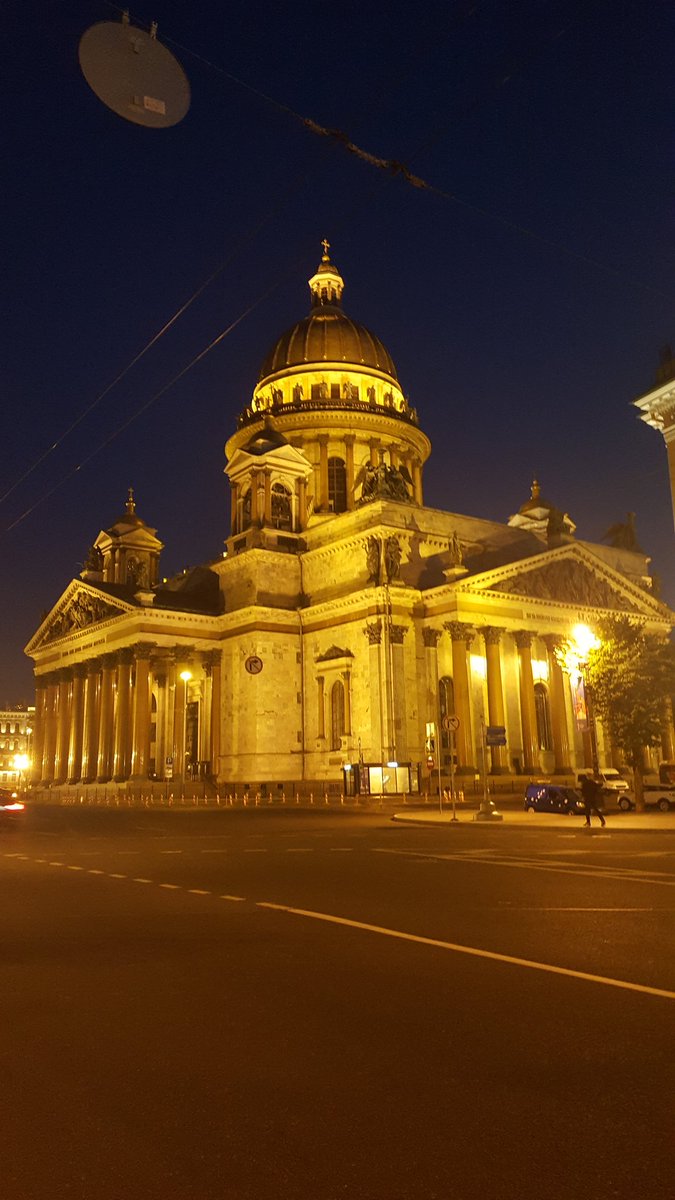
(253, 664)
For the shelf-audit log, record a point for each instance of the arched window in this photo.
(446, 707)
(337, 714)
(337, 485)
(543, 712)
(282, 513)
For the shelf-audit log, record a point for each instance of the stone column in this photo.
(234, 508)
(323, 472)
(321, 701)
(431, 708)
(374, 445)
(159, 673)
(561, 742)
(212, 667)
(140, 736)
(302, 504)
(76, 725)
(63, 725)
(347, 685)
(267, 475)
(121, 742)
(495, 695)
(105, 720)
(528, 716)
(179, 715)
(417, 482)
(255, 514)
(462, 636)
(91, 721)
(350, 439)
(38, 728)
(49, 748)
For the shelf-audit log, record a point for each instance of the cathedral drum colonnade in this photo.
(339, 615)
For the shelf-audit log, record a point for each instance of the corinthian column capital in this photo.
(460, 632)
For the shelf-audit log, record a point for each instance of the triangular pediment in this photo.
(79, 607)
(570, 576)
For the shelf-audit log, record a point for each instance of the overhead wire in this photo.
(392, 167)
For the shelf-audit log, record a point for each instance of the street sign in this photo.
(495, 735)
(450, 724)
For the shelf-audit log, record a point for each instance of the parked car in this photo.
(655, 797)
(553, 797)
(11, 805)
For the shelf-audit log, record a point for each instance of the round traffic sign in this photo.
(450, 723)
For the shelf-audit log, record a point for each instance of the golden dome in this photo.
(327, 335)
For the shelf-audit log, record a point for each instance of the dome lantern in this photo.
(326, 285)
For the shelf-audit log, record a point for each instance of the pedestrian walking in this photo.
(591, 790)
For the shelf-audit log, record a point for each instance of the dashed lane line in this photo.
(418, 939)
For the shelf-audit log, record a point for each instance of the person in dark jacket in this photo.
(591, 790)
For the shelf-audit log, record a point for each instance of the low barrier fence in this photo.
(202, 794)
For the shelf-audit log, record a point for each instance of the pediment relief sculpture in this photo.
(568, 582)
(81, 610)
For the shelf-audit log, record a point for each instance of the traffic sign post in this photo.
(487, 810)
(451, 725)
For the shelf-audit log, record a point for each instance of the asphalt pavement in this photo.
(229, 1005)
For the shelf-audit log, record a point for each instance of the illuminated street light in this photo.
(186, 676)
(573, 658)
(20, 763)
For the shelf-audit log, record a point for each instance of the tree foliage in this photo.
(632, 676)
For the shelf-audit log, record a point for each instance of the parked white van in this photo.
(612, 780)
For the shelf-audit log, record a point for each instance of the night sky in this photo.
(524, 297)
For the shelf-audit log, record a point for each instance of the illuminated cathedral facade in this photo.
(345, 620)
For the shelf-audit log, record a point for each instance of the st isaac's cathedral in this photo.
(344, 618)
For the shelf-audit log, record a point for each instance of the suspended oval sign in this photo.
(134, 74)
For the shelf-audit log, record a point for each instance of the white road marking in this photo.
(473, 951)
(573, 908)
(72, 868)
(199, 892)
(116, 875)
(174, 887)
(224, 850)
(627, 875)
(341, 849)
(238, 898)
(299, 850)
(257, 850)
(141, 880)
(171, 851)
(56, 864)
(94, 871)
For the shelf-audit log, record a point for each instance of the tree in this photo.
(632, 677)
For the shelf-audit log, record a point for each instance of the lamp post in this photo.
(20, 763)
(185, 676)
(573, 658)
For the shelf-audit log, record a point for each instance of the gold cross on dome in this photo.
(326, 247)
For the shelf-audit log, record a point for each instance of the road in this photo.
(247, 1005)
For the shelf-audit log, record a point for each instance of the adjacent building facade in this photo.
(344, 616)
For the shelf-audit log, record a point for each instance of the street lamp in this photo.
(21, 762)
(573, 658)
(186, 676)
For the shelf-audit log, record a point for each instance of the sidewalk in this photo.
(617, 822)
